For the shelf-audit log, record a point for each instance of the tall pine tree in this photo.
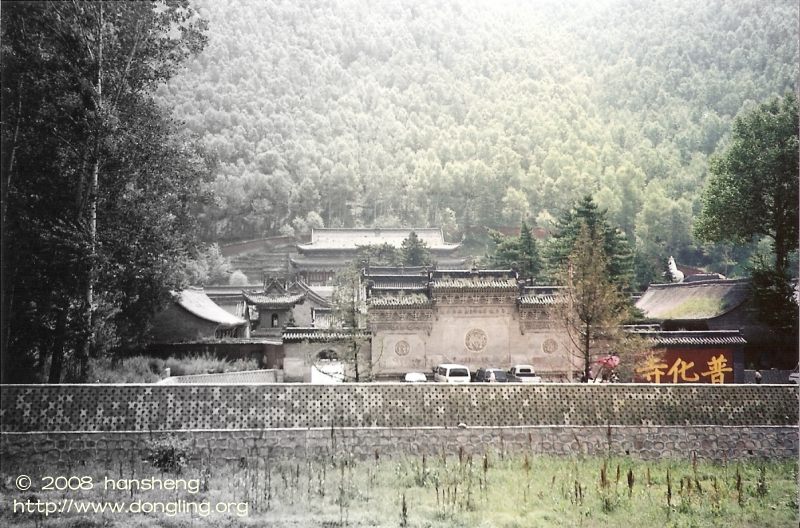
(415, 252)
(619, 255)
(519, 252)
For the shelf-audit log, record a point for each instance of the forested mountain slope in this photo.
(466, 113)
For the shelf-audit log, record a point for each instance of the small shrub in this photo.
(135, 369)
(168, 453)
(761, 483)
(242, 364)
(238, 278)
(207, 364)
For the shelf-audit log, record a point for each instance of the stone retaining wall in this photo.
(74, 449)
(72, 424)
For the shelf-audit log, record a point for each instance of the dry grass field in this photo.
(491, 489)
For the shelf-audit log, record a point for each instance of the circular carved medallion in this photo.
(402, 348)
(475, 340)
(549, 346)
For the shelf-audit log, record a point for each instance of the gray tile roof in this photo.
(302, 263)
(196, 302)
(708, 337)
(398, 282)
(295, 333)
(273, 299)
(399, 300)
(353, 238)
(319, 294)
(475, 283)
(391, 271)
(693, 300)
(537, 299)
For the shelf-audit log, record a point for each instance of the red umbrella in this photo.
(610, 362)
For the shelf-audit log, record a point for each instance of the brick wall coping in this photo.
(726, 386)
(159, 432)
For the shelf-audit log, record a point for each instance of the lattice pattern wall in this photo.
(170, 407)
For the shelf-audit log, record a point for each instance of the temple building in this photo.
(694, 356)
(274, 305)
(331, 250)
(719, 305)
(479, 318)
(193, 316)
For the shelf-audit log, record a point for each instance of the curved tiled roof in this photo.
(353, 238)
(475, 280)
(537, 299)
(400, 300)
(319, 294)
(377, 271)
(273, 299)
(399, 285)
(196, 302)
(315, 264)
(398, 282)
(475, 283)
(693, 300)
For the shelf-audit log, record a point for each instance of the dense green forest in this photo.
(137, 134)
(473, 114)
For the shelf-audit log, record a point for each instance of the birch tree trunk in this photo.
(92, 206)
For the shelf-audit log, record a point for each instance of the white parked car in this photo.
(451, 373)
(525, 373)
(415, 377)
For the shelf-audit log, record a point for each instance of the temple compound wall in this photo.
(476, 335)
(476, 318)
(488, 318)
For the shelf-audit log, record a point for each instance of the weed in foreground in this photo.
(334, 488)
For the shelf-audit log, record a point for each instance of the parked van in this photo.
(525, 373)
(451, 373)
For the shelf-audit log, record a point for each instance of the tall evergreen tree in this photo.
(415, 252)
(379, 255)
(520, 252)
(619, 255)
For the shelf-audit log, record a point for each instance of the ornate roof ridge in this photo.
(310, 292)
(730, 282)
(313, 333)
(402, 300)
(263, 298)
(538, 299)
(692, 337)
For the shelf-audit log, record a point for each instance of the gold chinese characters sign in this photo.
(686, 366)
